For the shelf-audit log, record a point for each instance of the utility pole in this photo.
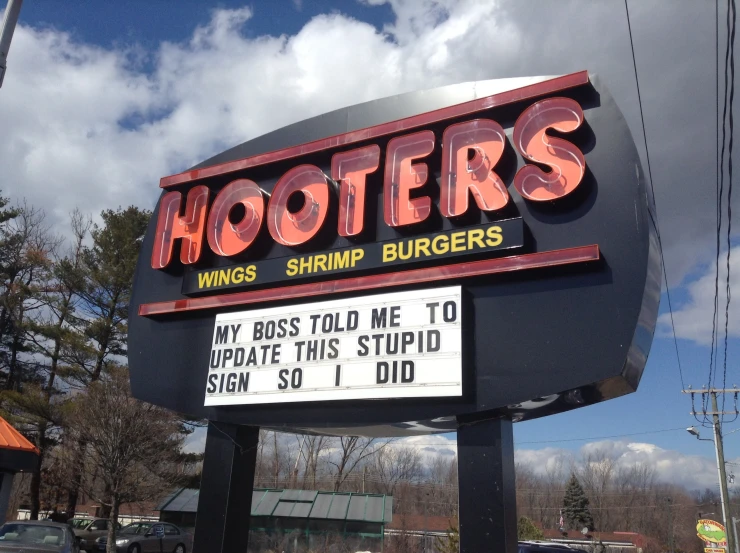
(719, 451)
(670, 518)
(12, 11)
(719, 448)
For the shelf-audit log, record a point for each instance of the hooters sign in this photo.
(480, 247)
(468, 156)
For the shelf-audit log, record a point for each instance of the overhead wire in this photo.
(719, 175)
(727, 110)
(655, 200)
(730, 53)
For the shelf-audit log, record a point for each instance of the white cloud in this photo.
(88, 126)
(693, 320)
(91, 127)
(430, 446)
(97, 127)
(672, 467)
(196, 442)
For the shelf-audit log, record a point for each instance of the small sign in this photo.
(404, 344)
(713, 535)
(159, 531)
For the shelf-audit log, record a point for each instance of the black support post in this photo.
(486, 478)
(225, 500)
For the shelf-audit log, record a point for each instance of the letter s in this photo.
(565, 159)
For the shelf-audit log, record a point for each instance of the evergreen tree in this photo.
(26, 251)
(526, 530)
(451, 542)
(37, 410)
(106, 273)
(575, 506)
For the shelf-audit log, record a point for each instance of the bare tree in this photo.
(313, 449)
(393, 465)
(352, 451)
(134, 446)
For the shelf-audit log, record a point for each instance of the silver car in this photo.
(149, 537)
(89, 529)
(35, 536)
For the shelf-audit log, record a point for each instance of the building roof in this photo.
(363, 507)
(10, 438)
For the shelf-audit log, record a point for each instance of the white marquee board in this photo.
(397, 345)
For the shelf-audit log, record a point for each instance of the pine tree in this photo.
(38, 408)
(107, 270)
(575, 506)
(451, 542)
(526, 530)
(26, 251)
(107, 273)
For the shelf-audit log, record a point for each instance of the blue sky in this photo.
(112, 23)
(113, 95)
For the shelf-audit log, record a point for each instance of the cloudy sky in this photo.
(103, 98)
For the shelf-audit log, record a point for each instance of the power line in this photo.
(731, 50)
(718, 207)
(655, 200)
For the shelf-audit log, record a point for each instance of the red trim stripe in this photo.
(540, 89)
(553, 258)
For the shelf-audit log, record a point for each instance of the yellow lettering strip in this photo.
(449, 244)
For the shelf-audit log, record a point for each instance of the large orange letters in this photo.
(485, 140)
(171, 226)
(227, 238)
(292, 229)
(566, 161)
(350, 169)
(401, 176)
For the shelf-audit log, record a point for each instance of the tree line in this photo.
(594, 490)
(63, 378)
(64, 300)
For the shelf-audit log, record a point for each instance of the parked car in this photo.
(142, 537)
(35, 536)
(89, 530)
(543, 547)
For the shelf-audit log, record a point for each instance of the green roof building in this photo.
(299, 521)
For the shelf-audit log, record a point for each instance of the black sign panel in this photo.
(545, 331)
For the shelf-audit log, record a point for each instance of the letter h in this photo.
(171, 226)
